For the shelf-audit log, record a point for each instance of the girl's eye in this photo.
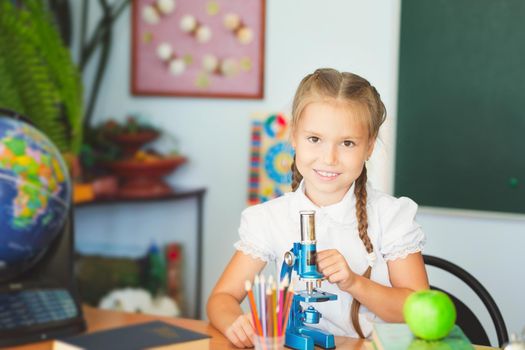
(348, 143)
(313, 139)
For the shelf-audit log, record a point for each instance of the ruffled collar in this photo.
(342, 212)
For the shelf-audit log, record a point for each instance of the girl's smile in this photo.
(327, 175)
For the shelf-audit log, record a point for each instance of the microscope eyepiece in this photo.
(307, 226)
(308, 239)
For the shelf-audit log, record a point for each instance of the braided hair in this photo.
(329, 83)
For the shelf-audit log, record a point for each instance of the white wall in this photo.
(357, 36)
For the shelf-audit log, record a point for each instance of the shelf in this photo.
(178, 194)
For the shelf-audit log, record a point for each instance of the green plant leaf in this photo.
(37, 75)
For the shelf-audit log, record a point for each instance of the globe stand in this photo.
(43, 302)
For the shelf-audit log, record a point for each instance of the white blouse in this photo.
(269, 229)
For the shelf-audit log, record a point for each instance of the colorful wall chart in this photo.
(271, 158)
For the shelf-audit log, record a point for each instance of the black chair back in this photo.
(466, 319)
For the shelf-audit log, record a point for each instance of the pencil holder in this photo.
(268, 343)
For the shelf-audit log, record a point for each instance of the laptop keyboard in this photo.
(35, 307)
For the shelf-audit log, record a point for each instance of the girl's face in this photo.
(331, 146)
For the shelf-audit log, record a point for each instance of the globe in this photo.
(35, 195)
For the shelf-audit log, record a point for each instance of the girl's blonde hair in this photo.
(325, 84)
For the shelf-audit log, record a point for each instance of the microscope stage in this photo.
(316, 297)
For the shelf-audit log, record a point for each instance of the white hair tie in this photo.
(371, 257)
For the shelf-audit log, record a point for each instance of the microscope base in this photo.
(305, 338)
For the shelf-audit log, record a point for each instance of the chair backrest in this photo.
(466, 319)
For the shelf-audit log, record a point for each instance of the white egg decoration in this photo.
(188, 23)
(166, 6)
(229, 67)
(164, 51)
(231, 21)
(177, 66)
(203, 34)
(150, 15)
(210, 63)
(245, 35)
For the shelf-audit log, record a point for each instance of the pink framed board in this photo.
(202, 48)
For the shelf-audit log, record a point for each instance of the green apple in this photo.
(430, 314)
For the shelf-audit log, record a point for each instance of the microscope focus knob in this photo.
(311, 315)
(289, 258)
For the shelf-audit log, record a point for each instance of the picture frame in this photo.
(198, 48)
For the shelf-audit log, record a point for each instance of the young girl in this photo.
(369, 246)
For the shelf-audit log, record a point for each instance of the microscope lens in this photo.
(309, 287)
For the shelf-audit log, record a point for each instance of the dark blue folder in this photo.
(139, 336)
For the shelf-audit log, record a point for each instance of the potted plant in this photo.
(38, 77)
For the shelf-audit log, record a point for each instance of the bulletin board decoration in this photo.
(201, 48)
(271, 157)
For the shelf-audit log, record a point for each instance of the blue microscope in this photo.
(302, 259)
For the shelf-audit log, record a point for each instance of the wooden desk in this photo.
(101, 319)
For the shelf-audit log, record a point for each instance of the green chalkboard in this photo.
(461, 107)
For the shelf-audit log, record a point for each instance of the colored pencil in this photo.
(282, 285)
(274, 310)
(255, 316)
(269, 317)
(269, 301)
(286, 282)
(263, 305)
(256, 293)
(288, 305)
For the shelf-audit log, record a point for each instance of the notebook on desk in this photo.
(397, 336)
(155, 335)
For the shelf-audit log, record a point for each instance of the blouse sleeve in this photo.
(401, 234)
(254, 239)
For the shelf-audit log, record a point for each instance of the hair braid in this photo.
(362, 226)
(296, 176)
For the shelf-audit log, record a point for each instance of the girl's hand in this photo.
(334, 267)
(241, 332)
